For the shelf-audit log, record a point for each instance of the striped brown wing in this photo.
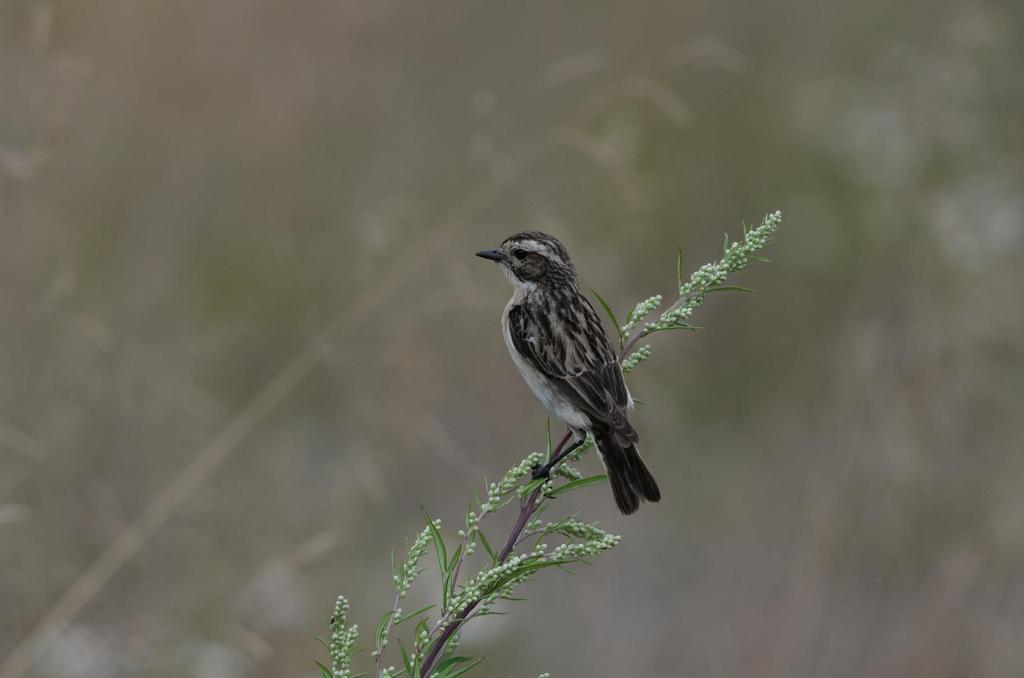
(562, 338)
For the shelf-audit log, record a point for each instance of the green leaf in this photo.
(454, 674)
(407, 617)
(547, 457)
(466, 669)
(677, 326)
(611, 314)
(729, 288)
(449, 574)
(439, 548)
(503, 503)
(451, 662)
(442, 558)
(454, 559)
(420, 630)
(381, 631)
(577, 484)
(529, 487)
(527, 568)
(324, 671)
(679, 265)
(487, 547)
(565, 569)
(406, 659)
(763, 260)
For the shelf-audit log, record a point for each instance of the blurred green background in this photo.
(238, 299)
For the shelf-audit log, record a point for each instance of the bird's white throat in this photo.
(520, 287)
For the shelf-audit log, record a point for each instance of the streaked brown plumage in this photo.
(556, 340)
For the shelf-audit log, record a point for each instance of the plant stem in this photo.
(528, 508)
(379, 661)
(631, 343)
(628, 346)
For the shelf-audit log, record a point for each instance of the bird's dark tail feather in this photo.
(629, 477)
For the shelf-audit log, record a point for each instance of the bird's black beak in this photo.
(493, 255)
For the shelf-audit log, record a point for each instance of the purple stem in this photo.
(529, 506)
(624, 353)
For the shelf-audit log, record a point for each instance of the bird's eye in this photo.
(519, 254)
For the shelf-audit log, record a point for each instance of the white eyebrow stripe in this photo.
(539, 247)
(532, 246)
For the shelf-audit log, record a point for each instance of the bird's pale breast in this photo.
(540, 384)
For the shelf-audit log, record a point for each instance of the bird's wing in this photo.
(566, 343)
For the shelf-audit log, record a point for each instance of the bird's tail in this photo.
(629, 477)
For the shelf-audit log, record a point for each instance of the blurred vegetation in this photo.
(198, 198)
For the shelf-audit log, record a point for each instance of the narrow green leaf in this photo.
(450, 662)
(487, 547)
(442, 558)
(677, 326)
(455, 559)
(503, 503)
(541, 565)
(439, 548)
(463, 670)
(679, 265)
(725, 247)
(611, 315)
(406, 659)
(547, 457)
(324, 671)
(420, 630)
(577, 484)
(529, 487)
(527, 568)
(449, 574)
(763, 260)
(729, 288)
(382, 629)
(410, 615)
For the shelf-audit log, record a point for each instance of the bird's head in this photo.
(531, 259)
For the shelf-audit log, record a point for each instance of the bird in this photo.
(560, 348)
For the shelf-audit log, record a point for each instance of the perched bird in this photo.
(556, 340)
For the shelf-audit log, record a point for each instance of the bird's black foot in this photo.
(542, 471)
(545, 470)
